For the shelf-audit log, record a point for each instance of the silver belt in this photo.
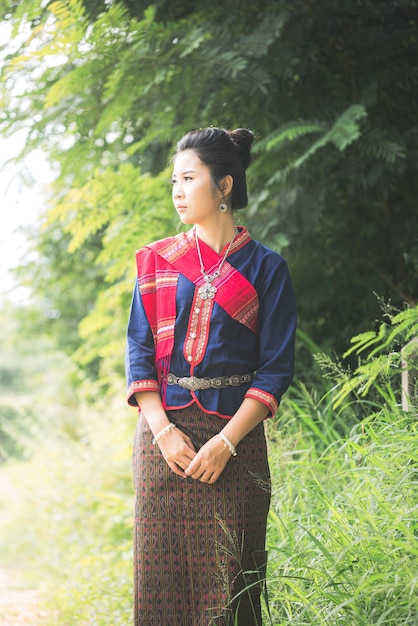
(193, 382)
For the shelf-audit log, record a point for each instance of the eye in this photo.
(173, 181)
(187, 178)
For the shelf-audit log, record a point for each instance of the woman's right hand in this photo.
(178, 450)
(176, 447)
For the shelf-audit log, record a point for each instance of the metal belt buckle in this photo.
(188, 382)
(193, 383)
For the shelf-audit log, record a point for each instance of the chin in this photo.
(185, 220)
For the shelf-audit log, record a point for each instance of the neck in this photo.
(218, 237)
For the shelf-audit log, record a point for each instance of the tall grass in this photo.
(343, 525)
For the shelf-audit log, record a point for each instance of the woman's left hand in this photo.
(209, 461)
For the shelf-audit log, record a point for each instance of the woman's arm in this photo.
(248, 416)
(212, 458)
(176, 447)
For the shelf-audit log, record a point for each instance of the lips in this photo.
(180, 207)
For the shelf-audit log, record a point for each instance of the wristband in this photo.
(163, 432)
(228, 444)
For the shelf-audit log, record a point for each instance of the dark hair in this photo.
(224, 152)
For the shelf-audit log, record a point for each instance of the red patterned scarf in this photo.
(159, 265)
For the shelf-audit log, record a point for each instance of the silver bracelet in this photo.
(162, 432)
(228, 444)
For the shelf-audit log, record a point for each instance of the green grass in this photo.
(343, 527)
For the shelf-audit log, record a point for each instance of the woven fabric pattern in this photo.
(197, 546)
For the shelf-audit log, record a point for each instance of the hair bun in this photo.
(243, 139)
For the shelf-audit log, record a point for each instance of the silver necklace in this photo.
(207, 291)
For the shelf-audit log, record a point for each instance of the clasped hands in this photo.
(205, 465)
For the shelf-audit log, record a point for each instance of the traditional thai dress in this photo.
(199, 548)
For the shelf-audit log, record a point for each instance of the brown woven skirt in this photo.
(199, 549)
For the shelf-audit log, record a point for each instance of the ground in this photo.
(19, 604)
(20, 600)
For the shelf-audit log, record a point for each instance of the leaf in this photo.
(346, 128)
(289, 133)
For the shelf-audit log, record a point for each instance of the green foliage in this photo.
(342, 133)
(342, 529)
(330, 89)
(403, 327)
(376, 371)
(21, 381)
(74, 471)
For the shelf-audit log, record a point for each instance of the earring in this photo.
(223, 207)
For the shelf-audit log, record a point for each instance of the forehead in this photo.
(187, 160)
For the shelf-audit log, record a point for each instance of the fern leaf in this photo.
(258, 79)
(257, 43)
(70, 18)
(365, 340)
(346, 128)
(344, 131)
(377, 145)
(25, 12)
(290, 133)
(66, 86)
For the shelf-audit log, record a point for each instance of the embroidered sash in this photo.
(157, 282)
(235, 294)
(159, 265)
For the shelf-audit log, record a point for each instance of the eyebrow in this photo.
(187, 172)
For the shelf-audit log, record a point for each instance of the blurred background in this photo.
(94, 95)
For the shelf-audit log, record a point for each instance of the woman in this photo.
(209, 354)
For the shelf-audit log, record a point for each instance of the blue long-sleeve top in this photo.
(218, 345)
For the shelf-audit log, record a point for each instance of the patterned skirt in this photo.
(199, 549)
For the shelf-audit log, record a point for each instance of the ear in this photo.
(226, 184)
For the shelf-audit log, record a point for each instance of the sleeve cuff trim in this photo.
(264, 397)
(140, 385)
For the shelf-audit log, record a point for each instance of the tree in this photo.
(329, 87)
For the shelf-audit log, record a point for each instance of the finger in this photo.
(197, 468)
(198, 473)
(213, 478)
(176, 469)
(190, 469)
(207, 477)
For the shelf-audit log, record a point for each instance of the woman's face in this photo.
(194, 195)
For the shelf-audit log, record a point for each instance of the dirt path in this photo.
(19, 604)
(20, 601)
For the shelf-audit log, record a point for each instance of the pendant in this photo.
(207, 291)
(209, 278)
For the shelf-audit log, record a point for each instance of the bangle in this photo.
(228, 444)
(162, 432)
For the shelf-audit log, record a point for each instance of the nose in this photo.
(177, 191)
